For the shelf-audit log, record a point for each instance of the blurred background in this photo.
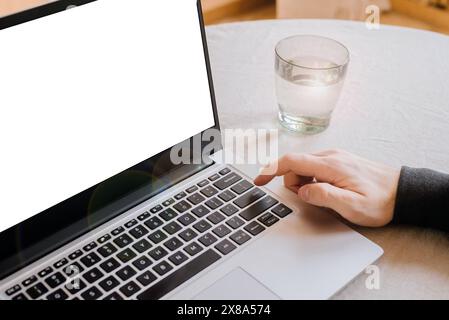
(421, 14)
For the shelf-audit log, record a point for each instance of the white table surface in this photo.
(394, 109)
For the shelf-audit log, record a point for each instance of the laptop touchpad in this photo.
(237, 285)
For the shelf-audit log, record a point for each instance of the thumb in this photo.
(327, 195)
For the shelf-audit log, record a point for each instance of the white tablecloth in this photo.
(394, 109)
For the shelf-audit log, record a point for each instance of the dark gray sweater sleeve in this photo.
(423, 199)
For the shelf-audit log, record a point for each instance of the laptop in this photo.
(94, 101)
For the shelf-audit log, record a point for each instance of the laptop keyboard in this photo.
(162, 248)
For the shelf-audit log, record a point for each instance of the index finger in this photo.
(301, 164)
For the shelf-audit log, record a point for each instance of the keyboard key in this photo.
(193, 248)
(93, 275)
(138, 232)
(109, 283)
(254, 228)
(225, 247)
(227, 181)
(73, 269)
(107, 249)
(258, 208)
(58, 295)
(123, 240)
(214, 177)
(129, 289)
(186, 219)
(131, 223)
(91, 294)
(117, 231)
(227, 196)
(202, 226)
(240, 237)
(90, 246)
(125, 273)
(221, 231)
(168, 202)
(187, 235)
(55, 280)
(45, 272)
(162, 268)
(180, 276)
(229, 209)
(142, 263)
(75, 285)
(144, 216)
(104, 238)
(180, 195)
(196, 198)
(192, 189)
(90, 259)
(214, 203)
(282, 210)
(153, 223)
(207, 239)
(173, 243)
(29, 281)
(215, 217)
(146, 278)
(113, 296)
(203, 183)
(235, 222)
(158, 253)
(249, 198)
(157, 236)
(20, 296)
(126, 255)
(13, 290)
(37, 291)
(168, 214)
(225, 171)
(110, 265)
(172, 227)
(242, 187)
(209, 191)
(75, 255)
(156, 209)
(200, 211)
(265, 216)
(178, 258)
(182, 206)
(61, 263)
(142, 245)
(268, 220)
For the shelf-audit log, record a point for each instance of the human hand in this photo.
(361, 191)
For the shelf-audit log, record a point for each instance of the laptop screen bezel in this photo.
(49, 230)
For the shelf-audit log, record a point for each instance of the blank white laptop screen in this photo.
(88, 92)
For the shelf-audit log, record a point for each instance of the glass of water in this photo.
(310, 73)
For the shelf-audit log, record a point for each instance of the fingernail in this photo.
(261, 169)
(304, 194)
(269, 169)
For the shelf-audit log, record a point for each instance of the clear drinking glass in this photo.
(310, 72)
